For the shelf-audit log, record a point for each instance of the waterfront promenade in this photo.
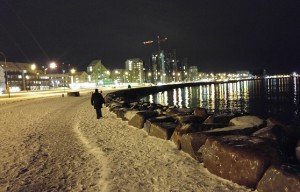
(57, 144)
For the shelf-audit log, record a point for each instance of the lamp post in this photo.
(32, 84)
(6, 78)
(53, 66)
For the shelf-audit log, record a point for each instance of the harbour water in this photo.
(263, 97)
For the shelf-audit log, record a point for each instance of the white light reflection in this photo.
(212, 97)
(175, 96)
(180, 98)
(200, 95)
(165, 98)
(186, 96)
(151, 99)
(295, 90)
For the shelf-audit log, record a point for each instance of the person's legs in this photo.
(98, 112)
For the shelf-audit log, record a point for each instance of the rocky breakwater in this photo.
(250, 151)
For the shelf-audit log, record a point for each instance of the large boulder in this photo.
(180, 130)
(280, 178)
(191, 142)
(241, 159)
(129, 114)
(162, 130)
(185, 119)
(200, 112)
(175, 111)
(219, 118)
(286, 138)
(140, 118)
(150, 121)
(265, 133)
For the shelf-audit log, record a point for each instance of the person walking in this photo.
(97, 100)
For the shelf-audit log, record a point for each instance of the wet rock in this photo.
(210, 119)
(221, 118)
(171, 111)
(200, 112)
(162, 118)
(140, 118)
(191, 143)
(185, 119)
(180, 130)
(162, 130)
(265, 133)
(287, 142)
(280, 178)
(241, 159)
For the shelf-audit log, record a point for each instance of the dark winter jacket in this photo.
(97, 100)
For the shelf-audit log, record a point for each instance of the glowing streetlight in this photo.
(33, 67)
(72, 75)
(53, 65)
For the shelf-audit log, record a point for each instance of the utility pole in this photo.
(159, 70)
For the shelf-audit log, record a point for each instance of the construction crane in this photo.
(159, 70)
(158, 40)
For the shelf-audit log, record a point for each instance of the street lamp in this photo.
(53, 65)
(6, 78)
(72, 75)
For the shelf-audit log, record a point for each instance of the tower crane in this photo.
(158, 69)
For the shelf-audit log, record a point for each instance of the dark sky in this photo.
(215, 35)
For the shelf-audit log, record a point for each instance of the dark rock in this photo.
(191, 142)
(163, 130)
(140, 118)
(171, 111)
(265, 133)
(185, 119)
(241, 159)
(200, 112)
(162, 118)
(222, 118)
(210, 126)
(280, 178)
(180, 130)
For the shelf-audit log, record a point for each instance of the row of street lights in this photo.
(33, 67)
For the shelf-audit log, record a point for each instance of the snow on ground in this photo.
(57, 144)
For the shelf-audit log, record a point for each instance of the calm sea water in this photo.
(263, 97)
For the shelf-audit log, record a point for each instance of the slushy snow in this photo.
(57, 144)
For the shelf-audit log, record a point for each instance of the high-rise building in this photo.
(171, 66)
(135, 68)
(193, 73)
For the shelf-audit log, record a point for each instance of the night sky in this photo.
(215, 35)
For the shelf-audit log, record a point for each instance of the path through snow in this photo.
(57, 144)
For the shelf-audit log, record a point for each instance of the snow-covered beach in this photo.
(57, 144)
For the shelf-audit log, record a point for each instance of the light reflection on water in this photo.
(262, 97)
